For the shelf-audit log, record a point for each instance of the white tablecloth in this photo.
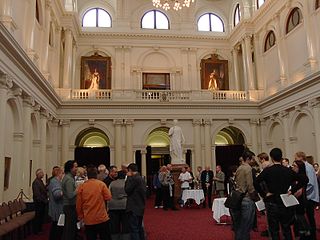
(219, 209)
(196, 194)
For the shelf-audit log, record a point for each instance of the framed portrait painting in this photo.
(95, 72)
(214, 74)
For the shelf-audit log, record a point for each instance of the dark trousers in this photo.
(70, 224)
(278, 214)
(158, 200)
(102, 230)
(136, 228)
(119, 223)
(39, 217)
(207, 191)
(168, 201)
(55, 231)
(310, 205)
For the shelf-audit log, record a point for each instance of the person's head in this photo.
(285, 162)
(113, 171)
(81, 172)
(207, 168)
(102, 168)
(175, 122)
(218, 168)
(71, 166)
(299, 167)
(169, 167)
(163, 169)
(248, 156)
(124, 167)
(316, 166)
(132, 169)
(276, 155)
(263, 157)
(39, 173)
(92, 172)
(183, 169)
(300, 156)
(54, 170)
(199, 168)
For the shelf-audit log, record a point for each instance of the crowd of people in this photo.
(108, 203)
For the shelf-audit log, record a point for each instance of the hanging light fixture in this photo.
(172, 4)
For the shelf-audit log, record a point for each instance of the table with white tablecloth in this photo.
(219, 209)
(196, 194)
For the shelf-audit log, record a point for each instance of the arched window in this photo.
(270, 41)
(37, 11)
(236, 15)
(96, 17)
(294, 19)
(260, 3)
(317, 4)
(210, 22)
(154, 19)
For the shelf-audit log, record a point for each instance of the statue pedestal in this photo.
(176, 170)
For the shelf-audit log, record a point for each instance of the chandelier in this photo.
(172, 4)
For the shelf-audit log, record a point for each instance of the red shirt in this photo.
(91, 198)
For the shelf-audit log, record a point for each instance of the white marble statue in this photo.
(176, 141)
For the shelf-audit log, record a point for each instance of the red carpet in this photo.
(190, 223)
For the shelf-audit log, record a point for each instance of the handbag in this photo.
(234, 199)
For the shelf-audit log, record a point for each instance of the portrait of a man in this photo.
(95, 72)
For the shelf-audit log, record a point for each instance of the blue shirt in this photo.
(312, 187)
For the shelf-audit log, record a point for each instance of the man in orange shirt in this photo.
(91, 198)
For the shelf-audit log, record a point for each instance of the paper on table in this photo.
(61, 220)
(260, 205)
(289, 200)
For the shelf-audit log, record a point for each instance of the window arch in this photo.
(270, 41)
(210, 22)
(260, 3)
(317, 4)
(236, 15)
(294, 19)
(96, 17)
(154, 19)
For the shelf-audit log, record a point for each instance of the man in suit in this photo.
(219, 180)
(206, 182)
(135, 189)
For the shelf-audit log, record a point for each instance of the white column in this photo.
(185, 65)
(117, 69)
(284, 115)
(28, 103)
(248, 54)
(67, 59)
(258, 62)
(129, 147)
(6, 15)
(65, 141)
(30, 29)
(55, 142)
(43, 139)
(236, 69)
(254, 136)
(45, 57)
(112, 157)
(315, 105)
(143, 162)
(197, 142)
(3, 104)
(281, 50)
(263, 136)
(244, 67)
(207, 142)
(118, 143)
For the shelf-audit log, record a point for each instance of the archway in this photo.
(229, 144)
(158, 152)
(92, 148)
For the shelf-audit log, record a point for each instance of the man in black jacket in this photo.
(206, 182)
(135, 188)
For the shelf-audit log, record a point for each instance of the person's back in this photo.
(119, 196)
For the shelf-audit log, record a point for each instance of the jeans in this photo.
(278, 214)
(243, 219)
(101, 229)
(136, 229)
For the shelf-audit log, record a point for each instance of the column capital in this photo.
(284, 114)
(64, 122)
(255, 121)
(314, 103)
(17, 92)
(196, 122)
(44, 113)
(118, 121)
(129, 122)
(28, 100)
(207, 122)
(36, 107)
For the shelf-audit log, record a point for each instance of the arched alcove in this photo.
(92, 147)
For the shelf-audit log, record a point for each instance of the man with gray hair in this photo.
(103, 172)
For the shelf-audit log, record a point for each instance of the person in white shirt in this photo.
(184, 178)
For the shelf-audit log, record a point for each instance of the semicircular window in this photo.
(270, 41)
(294, 19)
(210, 22)
(154, 19)
(96, 17)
